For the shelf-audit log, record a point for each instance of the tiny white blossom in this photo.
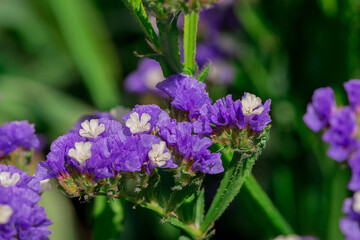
(5, 213)
(138, 125)
(249, 103)
(81, 153)
(45, 185)
(7, 181)
(288, 237)
(153, 76)
(356, 204)
(157, 155)
(91, 129)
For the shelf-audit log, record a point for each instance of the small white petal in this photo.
(81, 153)
(5, 213)
(249, 103)
(136, 125)
(7, 181)
(157, 155)
(91, 129)
(356, 204)
(288, 237)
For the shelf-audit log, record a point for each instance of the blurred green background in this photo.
(61, 59)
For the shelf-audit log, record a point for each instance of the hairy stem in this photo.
(190, 33)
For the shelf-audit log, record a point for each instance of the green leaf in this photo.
(137, 10)
(190, 33)
(108, 218)
(183, 191)
(85, 35)
(169, 35)
(265, 208)
(199, 208)
(204, 73)
(239, 169)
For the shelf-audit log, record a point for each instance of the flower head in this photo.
(319, 111)
(137, 124)
(5, 213)
(352, 88)
(157, 154)
(250, 105)
(6, 180)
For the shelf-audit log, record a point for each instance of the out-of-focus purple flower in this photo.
(17, 134)
(350, 225)
(143, 118)
(352, 88)
(341, 134)
(354, 163)
(20, 216)
(319, 111)
(145, 77)
(186, 93)
(293, 237)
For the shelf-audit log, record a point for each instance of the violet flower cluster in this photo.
(17, 134)
(341, 131)
(20, 215)
(102, 153)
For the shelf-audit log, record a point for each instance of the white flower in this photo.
(356, 204)
(157, 155)
(5, 213)
(153, 76)
(137, 125)
(7, 181)
(45, 185)
(288, 237)
(91, 129)
(249, 103)
(81, 153)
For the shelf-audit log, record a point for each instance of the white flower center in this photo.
(356, 204)
(288, 237)
(138, 125)
(249, 103)
(91, 129)
(157, 155)
(7, 181)
(45, 185)
(81, 153)
(5, 213)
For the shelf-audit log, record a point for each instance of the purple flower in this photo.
(194, 148)
(350, 225)
(143, 118)
(319, 111)
(17, 134)
(354, 164)
(145, 77)
(341, 134)
(186, 93)
(352, 88)
(20, 216)
(225, 112)
(11, 176)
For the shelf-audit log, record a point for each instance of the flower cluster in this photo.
(100, 155)
(20, 216)
(17, 134)
(341, 131)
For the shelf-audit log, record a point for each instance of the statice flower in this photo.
(352, 88)
(293, 237)
(17, 134)
(350, 225)
(20, 216)
(145, 77)
(319, 111)
(186, 93)
(341, 134)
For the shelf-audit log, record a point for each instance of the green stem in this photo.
(265, 207)
(190, 33)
